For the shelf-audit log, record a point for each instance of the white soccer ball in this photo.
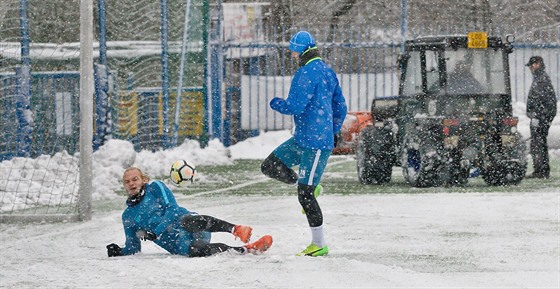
(182, 172)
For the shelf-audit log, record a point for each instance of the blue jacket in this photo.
(158, 213)
(317, 104)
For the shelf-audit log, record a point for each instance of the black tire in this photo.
(421, 163)
(504, 166)
(374, 156)
(453, 173)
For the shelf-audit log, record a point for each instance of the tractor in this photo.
(451, 120)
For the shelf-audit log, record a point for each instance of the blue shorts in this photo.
(312, 162)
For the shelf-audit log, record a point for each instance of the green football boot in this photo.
(314, 251)
(317, 192)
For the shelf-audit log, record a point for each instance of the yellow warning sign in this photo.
(477, 40)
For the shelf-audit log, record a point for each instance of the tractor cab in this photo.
(457, 71)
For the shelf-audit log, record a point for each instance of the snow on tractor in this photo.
(452, 119)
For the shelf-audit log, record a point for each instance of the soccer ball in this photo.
(182, 172)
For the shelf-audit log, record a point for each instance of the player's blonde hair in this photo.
(144, 176)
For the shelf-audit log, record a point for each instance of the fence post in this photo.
(228, 118)
(403, 25)
(206, 127)
(216, 76)
(102, 25)
(165, 72)
(24, 115)
(101, 80)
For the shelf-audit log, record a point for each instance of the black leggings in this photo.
(310, 205)
(199, 223)
(273, 167)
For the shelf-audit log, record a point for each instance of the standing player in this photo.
(152, 214)
(319, 108)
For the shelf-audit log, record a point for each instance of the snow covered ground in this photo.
(455, 240)
(427, 240)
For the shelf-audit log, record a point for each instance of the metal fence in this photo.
(254, 73)
(366, 71)
(55, 108)
(228, 79)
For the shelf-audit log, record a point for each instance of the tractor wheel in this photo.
(374, 156)
(504, 166)
(421, 164)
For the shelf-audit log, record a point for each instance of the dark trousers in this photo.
(539, 149)
(200, 223)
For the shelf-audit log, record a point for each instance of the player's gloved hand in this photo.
(275, 103)
(535, 122)
(145, 235)
(113, 250)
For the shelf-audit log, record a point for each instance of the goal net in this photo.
(138, 73)
(45, 174)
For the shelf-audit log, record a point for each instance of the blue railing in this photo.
(251, 75)
(55, 118)
(254, 73)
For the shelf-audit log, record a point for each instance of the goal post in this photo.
(86, 109)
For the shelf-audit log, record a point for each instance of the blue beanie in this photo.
(301, 41)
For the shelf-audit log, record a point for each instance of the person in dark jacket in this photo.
(541, 109)
(152, 214)
(318, 107)
(462, 81)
